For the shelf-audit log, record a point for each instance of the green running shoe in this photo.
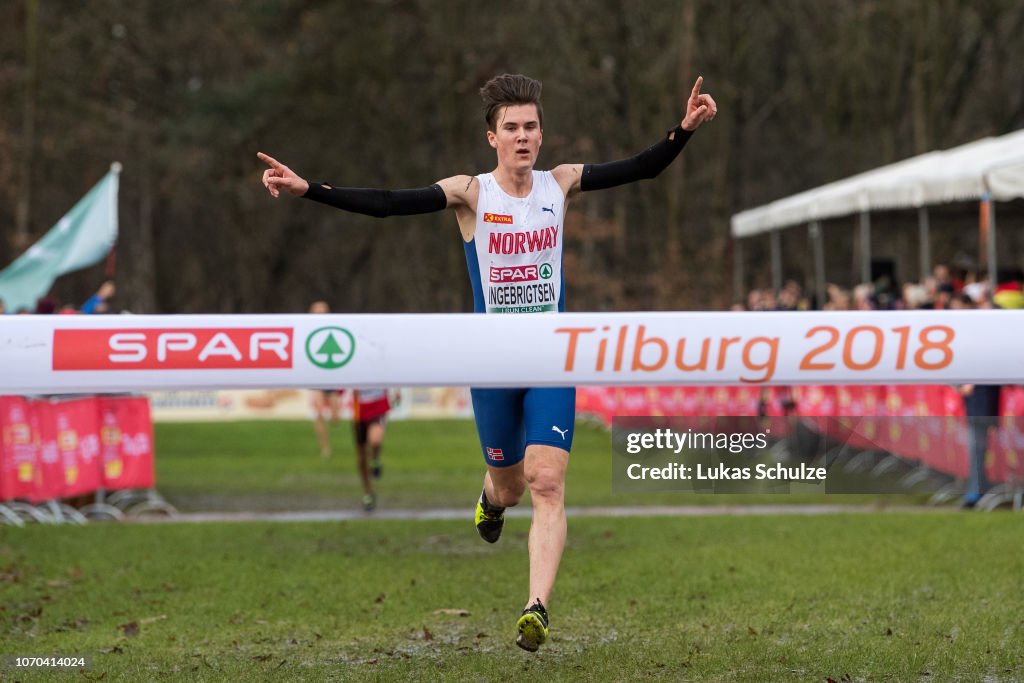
(532, 627)
(489, 520)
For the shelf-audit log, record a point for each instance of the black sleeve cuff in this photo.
(318, 192)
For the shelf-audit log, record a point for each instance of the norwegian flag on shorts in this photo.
(495, 453)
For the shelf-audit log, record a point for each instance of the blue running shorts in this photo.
(509, 420)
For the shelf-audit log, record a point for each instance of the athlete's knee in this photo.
(544, 471)
(507, 494)
(508, 489)
(375, 434)
(546, 482)
(506, 498)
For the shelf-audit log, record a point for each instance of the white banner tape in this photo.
(71, 354)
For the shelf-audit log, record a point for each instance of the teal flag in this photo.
(83, 237)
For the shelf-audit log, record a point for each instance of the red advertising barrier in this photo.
(1007, 444)
(886, 418)
(78, 446)
(55, 449)
(19, 469)
(51, 469)
(126, 443)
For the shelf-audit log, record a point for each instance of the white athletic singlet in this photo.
(515, 256)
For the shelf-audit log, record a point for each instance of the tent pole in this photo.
(991, 242)
(776, 263)
(737, 270)
(924, 243)
(814, 234)
(865, 246)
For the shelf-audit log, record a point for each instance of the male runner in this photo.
(511, 222)
(370, 409)
(325, 403)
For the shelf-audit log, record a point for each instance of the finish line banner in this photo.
(96, 354)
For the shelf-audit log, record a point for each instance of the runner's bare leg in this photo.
(544, 470)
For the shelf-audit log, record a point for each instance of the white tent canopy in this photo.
(994, 165)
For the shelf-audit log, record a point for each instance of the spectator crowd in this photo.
(943, 289)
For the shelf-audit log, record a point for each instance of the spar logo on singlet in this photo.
(514, 273)
(528, 273)
(330, 348)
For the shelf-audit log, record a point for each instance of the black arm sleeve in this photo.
(645, 165)
(379, 203)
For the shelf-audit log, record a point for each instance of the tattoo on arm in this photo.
(471, 178)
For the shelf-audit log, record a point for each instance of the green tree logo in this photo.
(330, 347)
(545, 271)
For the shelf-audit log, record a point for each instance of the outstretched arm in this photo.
(647, 164)
(372, 202)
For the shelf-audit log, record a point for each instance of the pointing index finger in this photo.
(270, 160)
(696, 87)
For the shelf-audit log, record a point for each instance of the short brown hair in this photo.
(508, 89)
